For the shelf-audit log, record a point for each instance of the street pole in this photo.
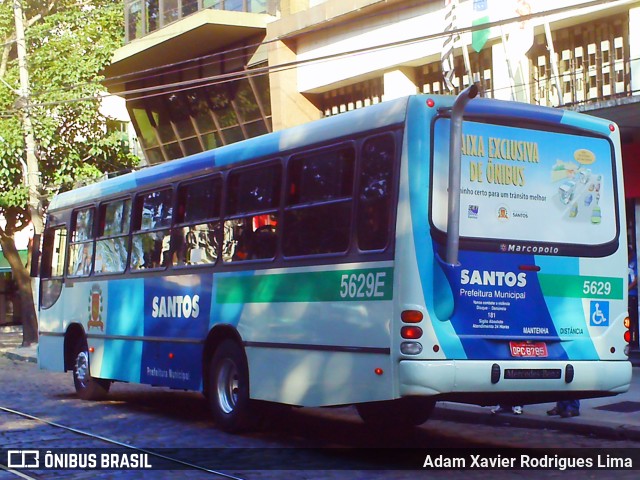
(31, 179)
(30, 169)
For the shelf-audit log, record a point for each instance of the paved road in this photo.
(159, 418)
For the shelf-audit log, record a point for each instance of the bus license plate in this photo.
(524, 349)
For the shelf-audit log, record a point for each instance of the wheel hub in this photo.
(227, 386)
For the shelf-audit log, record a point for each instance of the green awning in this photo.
(4, 265)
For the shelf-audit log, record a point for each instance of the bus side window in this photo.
(374, 192)
(253, 200)
(195, 241)
(113, 237)
(54, 249)
(317, 215)
(81, 245)
(53, 252)
(151, 241)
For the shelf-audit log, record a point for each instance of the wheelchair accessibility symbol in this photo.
(599, 314)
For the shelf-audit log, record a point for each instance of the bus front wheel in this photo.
(228, 388)
(399, 413)
(87, 387)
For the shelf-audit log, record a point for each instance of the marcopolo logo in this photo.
(540, 249)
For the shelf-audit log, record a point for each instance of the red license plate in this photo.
(525, 349)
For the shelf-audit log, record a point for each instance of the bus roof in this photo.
(385, 114)
(349, 123)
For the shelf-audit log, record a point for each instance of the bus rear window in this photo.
(524, 186)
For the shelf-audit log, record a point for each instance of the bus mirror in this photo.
(35, 255)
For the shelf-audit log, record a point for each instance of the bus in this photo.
(390, 257)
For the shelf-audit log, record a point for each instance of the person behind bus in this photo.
(566, 409)
(633, 297)
(505, 407)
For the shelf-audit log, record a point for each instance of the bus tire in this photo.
(87, 387)
(400, 413)
(228, 388)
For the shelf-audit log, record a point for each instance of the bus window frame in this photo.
(222, 173)
(393, 190)
(47, 255)
(101, 209)
(137, 230)
(51, 286)
(353, 146)
(276, 210)
(178, 224)
(70, 243)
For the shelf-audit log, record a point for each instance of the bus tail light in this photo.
(411, 348)
(411, 333)
(411, 316)
(627, 332)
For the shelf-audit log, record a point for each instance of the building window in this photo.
(145, 16)
(182, 123)
(430, 79)
(351, 97)
(592, 63)
(134, 19)
(152, 9)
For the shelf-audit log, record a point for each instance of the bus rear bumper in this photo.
(443, 378)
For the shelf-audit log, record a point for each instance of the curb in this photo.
(18, 356)
(588, 428)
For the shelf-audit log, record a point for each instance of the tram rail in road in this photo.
(149, 453)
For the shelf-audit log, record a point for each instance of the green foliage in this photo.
(69, 42)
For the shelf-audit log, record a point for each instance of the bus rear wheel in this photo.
(400, 413)
(87, 387)
(228, 388)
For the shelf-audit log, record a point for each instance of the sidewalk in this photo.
(612, 417)
(10, 345)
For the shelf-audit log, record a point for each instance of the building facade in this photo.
(197, 74)
(193, 73)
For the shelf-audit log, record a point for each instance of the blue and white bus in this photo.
(423, 249)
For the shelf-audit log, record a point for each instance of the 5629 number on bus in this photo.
(362, 285)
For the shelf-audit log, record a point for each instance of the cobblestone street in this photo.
(153, 418)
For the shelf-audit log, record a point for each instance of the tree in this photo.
(68, 43)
